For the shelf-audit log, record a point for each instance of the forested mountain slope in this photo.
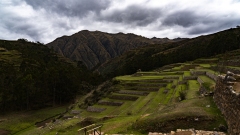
(153, 56)
(34, 76)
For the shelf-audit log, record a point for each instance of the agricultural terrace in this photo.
(144, 100)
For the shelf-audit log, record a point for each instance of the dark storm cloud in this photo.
(181, 18)
(137, 15)
(210, 26)
(45, 20)
(29, 30)
(195, 24)
(70, 8)
(25, 28)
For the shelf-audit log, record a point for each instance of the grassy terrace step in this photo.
(193, 89)
(132, 78)
(123, 109)
(139, 104)
(148, 88)
(110, 103)
(142, 93)
(95, 109)
(123, 97)
(146, 74)
(154, 81)
(153, 85)
(206, 70)
(207, 79)
(171, 73)
(163, 83)
(102, 113)
(171, 77)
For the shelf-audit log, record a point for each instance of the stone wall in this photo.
(182, 82)
(212, 76)
(200, 81)
(228, 101)
(190, 77)
(198, 72)
(171, 77)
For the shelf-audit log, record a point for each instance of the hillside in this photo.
(153, 56)
(93, 48)
(161, 100)
(167, 98)
(33, 77)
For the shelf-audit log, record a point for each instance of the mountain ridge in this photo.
(154, 56)
(95, 47)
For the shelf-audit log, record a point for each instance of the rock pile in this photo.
(189, 132)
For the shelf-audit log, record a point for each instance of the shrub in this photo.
(182, 94)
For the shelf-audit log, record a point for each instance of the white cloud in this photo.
(47, 19)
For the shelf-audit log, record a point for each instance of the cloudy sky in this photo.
(45, 20)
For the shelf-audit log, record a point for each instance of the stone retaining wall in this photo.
(228, 102)
(171, 77)
(182, 82)
(95, 109)
(190, 77)
(110, 103)
(200, 81)
(212, 76)
(153, 85)
(143, 93)
(198, 72)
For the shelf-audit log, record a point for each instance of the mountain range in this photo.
(95, 47)
(157, 55)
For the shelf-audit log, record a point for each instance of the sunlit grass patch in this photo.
(193, 88)
(207, 79)
(130, 78)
